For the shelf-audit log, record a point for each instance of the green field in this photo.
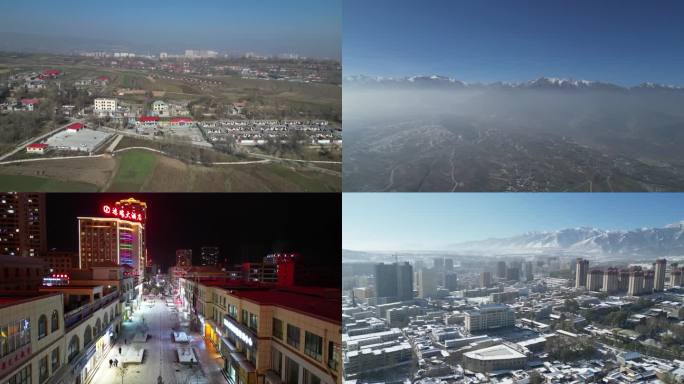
(20, 183)
(134, 168)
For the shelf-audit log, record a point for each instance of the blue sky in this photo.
(311, 27)
(621, 41)
(429, 221)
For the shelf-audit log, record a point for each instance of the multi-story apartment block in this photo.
(490, 316)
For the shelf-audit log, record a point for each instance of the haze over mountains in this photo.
(641, 242)
(434, 133)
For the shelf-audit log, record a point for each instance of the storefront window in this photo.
(232, 374)
(293, 336)
(313, 346)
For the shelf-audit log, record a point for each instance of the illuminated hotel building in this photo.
(268, 333)
(119, 239)
(22, 224)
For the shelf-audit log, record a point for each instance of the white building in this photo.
(160, 108)
(496, 358)
(490, 316)
(105, 106)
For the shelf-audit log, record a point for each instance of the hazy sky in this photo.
(621, 41)
(429, 221)
(308, 27)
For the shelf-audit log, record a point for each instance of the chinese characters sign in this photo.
(122, 213)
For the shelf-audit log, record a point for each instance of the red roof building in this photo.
(30, 101)
(75, 127)
(52, 72)
(36, 148)
(181, 120)
(148, 119)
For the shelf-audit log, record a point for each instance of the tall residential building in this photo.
(448, 264)
(610, 280)
(675, 275)
(22, 224)
(501, 269)
(438, 263)
(659, 278)
(623, 280)
(491, 316)
(595, 280)
(451, 281)
(394, 281)
(581, 271)
(513, 274)
(109, 239)
(636, 282)
(485, 279)
(183, 257)
(649, 279)
(528, 271)
(426, 283)
(209, 256)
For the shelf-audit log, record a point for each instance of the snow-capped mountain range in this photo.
(668, 240)
(437, 81)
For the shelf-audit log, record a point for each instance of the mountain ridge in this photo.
(666, 240)
(543, 82)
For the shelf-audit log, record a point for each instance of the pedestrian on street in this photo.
(116, 362)
(119, 350)
(110, 363)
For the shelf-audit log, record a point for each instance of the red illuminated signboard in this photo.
(122, 213)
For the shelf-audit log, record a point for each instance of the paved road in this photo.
(159, 322)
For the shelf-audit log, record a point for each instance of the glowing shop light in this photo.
(240, 334)
(122, 213)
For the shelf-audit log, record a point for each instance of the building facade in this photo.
(269, 334)
(581, 271)
(23, 224)
(492, 316)
(111, 240)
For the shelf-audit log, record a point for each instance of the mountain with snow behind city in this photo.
(668, 240)
(444, 82)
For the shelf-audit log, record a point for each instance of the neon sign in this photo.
(121, 213)
(239, 333)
